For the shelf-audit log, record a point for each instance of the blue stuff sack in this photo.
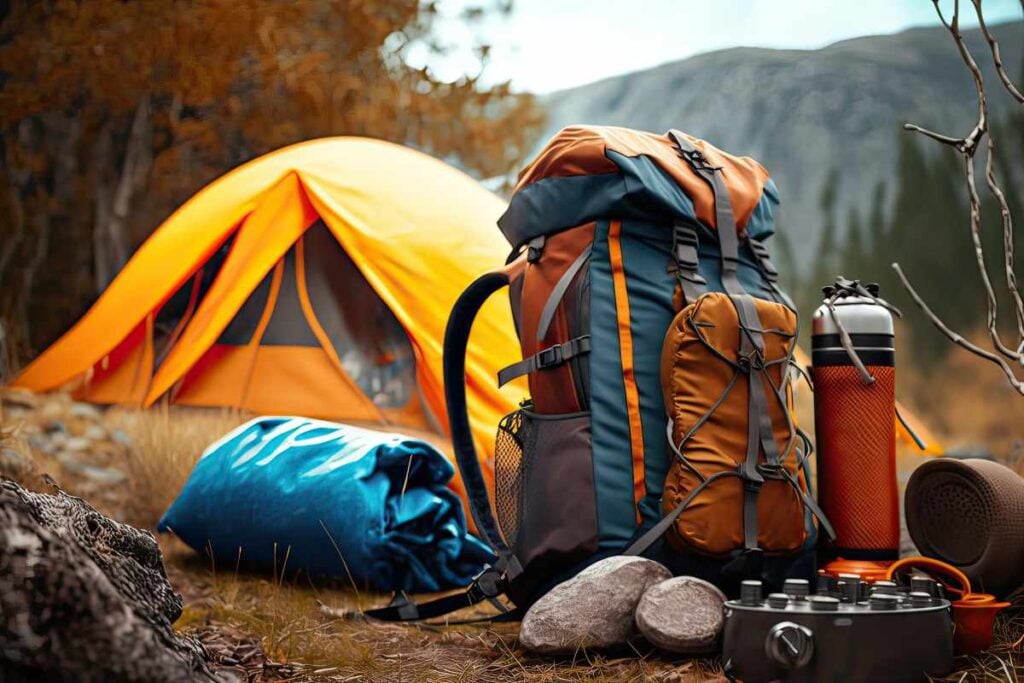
(333, 500)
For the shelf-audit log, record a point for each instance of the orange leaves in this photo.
(226, 80)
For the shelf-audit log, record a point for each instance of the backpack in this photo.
(616, 234)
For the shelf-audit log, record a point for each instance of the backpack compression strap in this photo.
(751, 352)
(490, 583)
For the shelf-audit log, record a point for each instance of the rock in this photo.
(55, 427)
(85, 598)
(14, 464)
(95, 432)
(121, 437)
(19, 398)
(591, 610)
(78, 443)
(682, 615)
(101, 475)
(85, 410)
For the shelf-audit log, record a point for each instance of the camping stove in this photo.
(848, 631)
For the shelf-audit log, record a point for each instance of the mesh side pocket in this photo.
(511, 460)
(544, 498)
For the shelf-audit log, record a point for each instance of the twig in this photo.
(953, 336)
(967, 147)
(997, 58)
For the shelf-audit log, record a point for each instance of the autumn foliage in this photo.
(113, 112)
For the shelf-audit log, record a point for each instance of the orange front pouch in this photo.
(706, 398)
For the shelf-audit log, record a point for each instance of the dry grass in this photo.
(166, 443)
(270, 628)
(1004, 661)
(969, 404)
(304, 636)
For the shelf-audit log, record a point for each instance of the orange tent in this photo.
(315, 280)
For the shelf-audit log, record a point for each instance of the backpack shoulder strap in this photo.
(491, 582)
(456, 339)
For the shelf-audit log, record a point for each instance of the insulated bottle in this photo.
(853, 368)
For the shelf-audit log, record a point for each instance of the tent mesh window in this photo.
(370, 342)
(175, 313)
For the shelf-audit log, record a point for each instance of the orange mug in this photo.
(973, 613)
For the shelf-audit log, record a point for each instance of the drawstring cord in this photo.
(841, 289)
(844, 288)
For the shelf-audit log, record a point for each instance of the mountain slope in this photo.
(803, 113)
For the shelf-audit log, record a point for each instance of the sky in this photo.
(548, 45)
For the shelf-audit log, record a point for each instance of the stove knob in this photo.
(823, 603)
(923, 584)
(796, 588)
(789, 645)
(920, 599)
(883, 601)
(751, 593)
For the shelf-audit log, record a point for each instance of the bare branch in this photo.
(959, 143)
(1008, 241)
(957, 339)
(979, 258)
(967, 147)
(997, 58)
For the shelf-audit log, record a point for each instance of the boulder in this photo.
(682, 615)
(594, 609)
(85, 598)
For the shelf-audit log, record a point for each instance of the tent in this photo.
(315, 280)
(257, 292)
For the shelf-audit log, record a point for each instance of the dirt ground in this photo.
(130, 464)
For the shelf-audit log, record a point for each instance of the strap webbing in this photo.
(547, 314)
(751, 351)
(763, 259)
(686, 259)
(545, 359)
(640, 545)
(488, 585)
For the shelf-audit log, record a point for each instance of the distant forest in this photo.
(920, 219)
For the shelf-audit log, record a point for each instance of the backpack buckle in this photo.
(752, 478)
(489, 583)
(549, 357)
(770, 471)
(752, 361)
(697, 160)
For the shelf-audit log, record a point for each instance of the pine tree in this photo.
(829, 256)
(855, 260)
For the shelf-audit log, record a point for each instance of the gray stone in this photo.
(682, 615)
(121, 437)
(86, 411)
(78, 443)
(594, 609)
(95, 432)
(85, 598)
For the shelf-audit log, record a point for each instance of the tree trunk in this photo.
(115, 191)
(18, 181)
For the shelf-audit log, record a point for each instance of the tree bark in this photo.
(17, 185)
(115, 191)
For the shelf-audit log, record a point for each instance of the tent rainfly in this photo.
(315, 280)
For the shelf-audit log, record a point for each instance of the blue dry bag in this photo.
(334, 500)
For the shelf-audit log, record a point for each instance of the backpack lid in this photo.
(589, 172)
